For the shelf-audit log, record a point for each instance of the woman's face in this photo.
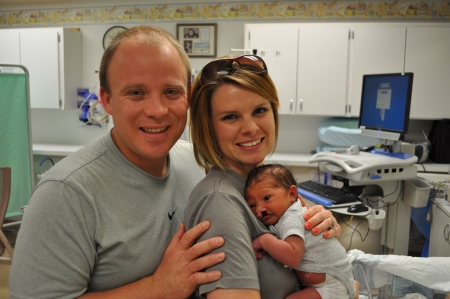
(244, 127)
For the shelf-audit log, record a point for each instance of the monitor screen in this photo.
(385, 104)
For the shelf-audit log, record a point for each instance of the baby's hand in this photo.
(257, 249)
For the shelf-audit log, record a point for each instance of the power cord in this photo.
(355, 230)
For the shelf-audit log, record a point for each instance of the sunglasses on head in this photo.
(219, 68)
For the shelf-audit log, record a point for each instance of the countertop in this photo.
(288, 159)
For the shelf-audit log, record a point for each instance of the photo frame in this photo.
(198, 40)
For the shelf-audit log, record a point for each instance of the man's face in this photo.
(148, 102)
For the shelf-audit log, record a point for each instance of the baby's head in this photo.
(270, 190)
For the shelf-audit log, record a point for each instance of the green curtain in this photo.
(15, 141)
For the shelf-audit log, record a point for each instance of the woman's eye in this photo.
(260, 110)
(229, 117)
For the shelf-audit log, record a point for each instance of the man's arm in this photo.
(179, 272)
(288, 251)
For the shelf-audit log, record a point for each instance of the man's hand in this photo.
(180, 271)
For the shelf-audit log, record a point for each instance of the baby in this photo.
(321, 264)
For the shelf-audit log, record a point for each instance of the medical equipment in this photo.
(385, 105)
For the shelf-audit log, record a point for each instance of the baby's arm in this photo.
(288, 251)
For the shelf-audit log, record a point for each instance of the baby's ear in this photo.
(293, 192)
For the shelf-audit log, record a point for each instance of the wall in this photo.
(297, 133)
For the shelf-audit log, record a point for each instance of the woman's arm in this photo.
(319, 220)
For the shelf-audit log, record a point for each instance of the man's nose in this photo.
(155, 106)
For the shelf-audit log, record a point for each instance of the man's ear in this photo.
(189, 95)
(106, 100)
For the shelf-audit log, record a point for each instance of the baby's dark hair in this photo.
(282, 176)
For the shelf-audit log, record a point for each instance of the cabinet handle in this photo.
(292, 101)
(301, 104)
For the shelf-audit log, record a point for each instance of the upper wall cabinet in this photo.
(53, 59)
(277, 45)
(427, 56)
(329, 60)
(375, 50)
(308, 65)
(322, 70)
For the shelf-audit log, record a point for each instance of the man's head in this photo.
(146, 34)
(144, 85)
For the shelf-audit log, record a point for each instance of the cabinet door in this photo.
(40, 55)
(375, 51)
(440, 233)
(9, 50)
(427, 56)
(322, 70)
(277, 45)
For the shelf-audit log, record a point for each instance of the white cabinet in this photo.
(440, 229)
(9, 49)
(328, 66)
(53, 59)
(322, 69)
(376, 50)
(277, 45)
(308, 66)
(427, 56)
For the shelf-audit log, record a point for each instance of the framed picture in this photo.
(198, 40)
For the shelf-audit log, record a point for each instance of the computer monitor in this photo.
(385, 105)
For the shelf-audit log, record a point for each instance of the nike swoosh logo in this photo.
(171, 215)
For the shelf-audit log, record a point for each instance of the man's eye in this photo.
(135, 92)
(173, 91)
(267, 197)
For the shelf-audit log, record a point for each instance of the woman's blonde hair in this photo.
(206, 149)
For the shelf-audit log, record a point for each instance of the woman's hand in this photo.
(319, 220)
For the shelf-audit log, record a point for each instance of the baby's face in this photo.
(269, 202)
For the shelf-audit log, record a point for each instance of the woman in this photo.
(234, 126)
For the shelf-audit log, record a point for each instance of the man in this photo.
(105, 221)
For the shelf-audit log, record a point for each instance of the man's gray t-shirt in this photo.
(219, 198)
(96, 222)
